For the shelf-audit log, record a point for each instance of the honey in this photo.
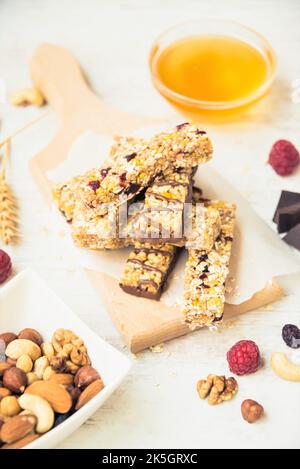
(211, 69)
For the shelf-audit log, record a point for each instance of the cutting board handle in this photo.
(55, 72)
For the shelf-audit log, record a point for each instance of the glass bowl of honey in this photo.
(212, 65)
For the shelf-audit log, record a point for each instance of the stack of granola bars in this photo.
(143, 196)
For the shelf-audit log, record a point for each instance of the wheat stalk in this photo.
(8, 205)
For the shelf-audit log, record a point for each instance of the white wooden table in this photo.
(157, 405)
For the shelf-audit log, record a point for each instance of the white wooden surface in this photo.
(157, 406)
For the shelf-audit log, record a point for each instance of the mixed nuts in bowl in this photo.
(42, 383)
(26, 300)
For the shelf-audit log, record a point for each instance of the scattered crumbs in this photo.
(231, 279)
(245, 170)
(173, 374)
(230, 324)
(71, 271)
(61, 233)
(247, 195)
(124, 347)
(228, 288)
(269, 307)
(175, 277)
(44, 229)
(295, 357)
(214, 329)
(168, 354)
(157, 348)
(134, 356)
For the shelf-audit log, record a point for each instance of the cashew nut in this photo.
(284, 368)
(31, 378)
(24, 362)
(41, 409)
(40, 366)
(19, 347)
(27, 96)
(48, 373)
(48, 350)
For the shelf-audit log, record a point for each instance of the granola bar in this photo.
(147, 270)
(64, 194)
(206, 273)
(198, 228)
(162, 217)
(130, 173)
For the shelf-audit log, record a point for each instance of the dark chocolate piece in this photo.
(288, 217)
(293, 237)
(287, 198)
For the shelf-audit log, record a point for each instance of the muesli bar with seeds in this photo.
(64, 194)
(147, 270)
(199, 228)
(162, 217)
(206, 273)
(131, 173)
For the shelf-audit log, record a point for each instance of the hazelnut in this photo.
(8, 337)
(15, 380)
(31, 334)
(251, 411)
(9, 406)
(85, 376)
(24, 362)
(31, 378)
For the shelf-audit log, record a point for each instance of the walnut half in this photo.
(218, 389)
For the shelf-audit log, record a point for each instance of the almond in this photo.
(15, 380)
(31, 334)
(62, 378)
(85, 376)
(59, 399)
(91, 391)
(21, 443)
(17, 428)
(8, 337)
(19, 347)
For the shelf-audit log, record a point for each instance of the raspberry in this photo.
(244, 358)
(291, 336)
(284, 157)
(5, 266)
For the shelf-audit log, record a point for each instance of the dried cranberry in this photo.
(284, 157)
(180, 126)
(228, 238)
(104, 172)
(130, 157)
(291, 335)
(94, 185)
(200, 132)
(123, 178)
(203, 276)
(203, 258)
(132, 188)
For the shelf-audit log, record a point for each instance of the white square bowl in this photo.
(26, 301)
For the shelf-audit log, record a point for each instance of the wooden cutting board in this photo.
(58, 76)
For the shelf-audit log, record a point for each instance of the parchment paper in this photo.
(258, 256)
